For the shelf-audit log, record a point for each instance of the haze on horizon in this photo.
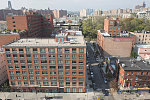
(73, 5)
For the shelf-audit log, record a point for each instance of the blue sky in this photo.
(73, 4)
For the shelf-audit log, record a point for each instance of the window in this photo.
(31, 72)
(80, 73)
(74, 73)
(74, 78)
(22, 61)
(18, 72)
(36, 62)
(51, 50)
(35, 50)
(21, 56)
(10, 67)
(45, 78)
(81, 56)
(45, 83)
(74, 56)
(60, 67)
(44, 67)
(81, 62)
(67, 89)
(25, 78)
(13, 83)
(67, 56)
(80, 89)
(38, 78)
(15, 56)
(9, 61)
(67, 83)
(81, 79)
(59, 49)
(59, 56)
(29, 61)
(35, 56)
(74, 90)
(43, 61)
(60, 62)
(30, 67)
(37, 72)
(80, 67)
(21, 50)
(15, 61)
(43, 56)
(67, 50)
(37, 67)
(60, 73)
(52, 62)
(73, 50)
(67, 62)
(81, 50)
(28, 55)
(23, 67)
(42, 50)
(73, 67)
(67, 73)
(14, 25)
(67, 78)
(74, 62)
(25, 83)
(7, 50)
(53, 78)
(24, 72)
(12, 77)
(19, 78)
(80, 83)
(51, 56)
(53, 83)
(52, 67)
(14, 50)
(67, 67)
(38, 83)
(8, 56)
(17, 67)
(53, 73)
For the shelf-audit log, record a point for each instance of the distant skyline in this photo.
(73, 5)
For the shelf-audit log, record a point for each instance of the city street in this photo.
(98, 78)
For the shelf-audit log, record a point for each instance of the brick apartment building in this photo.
(143, 51)
(141, 37)
(3, 71)
(112, 41)
(6, 12)
(37, 25)
(50, 65)
(59, 13)
(134, 74)
(112, 26)
(115, 46)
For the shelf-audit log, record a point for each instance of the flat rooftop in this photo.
(143, 46)
(37, 42)
(131, 64)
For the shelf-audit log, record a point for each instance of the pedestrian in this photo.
(16, 95)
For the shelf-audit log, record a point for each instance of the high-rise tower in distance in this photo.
(9, 5)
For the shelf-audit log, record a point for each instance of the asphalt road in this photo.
(98, 78)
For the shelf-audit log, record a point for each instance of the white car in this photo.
(97, 59)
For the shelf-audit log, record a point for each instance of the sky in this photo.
(73, 5)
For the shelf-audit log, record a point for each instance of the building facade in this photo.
(141, 37)
(3, 71)
(36, 25)
(134, 74)
(112, 26)
(50, 65)
(115, 46)
(143, 51)
(59, 13)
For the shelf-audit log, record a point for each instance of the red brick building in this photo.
(134, 74)
(115, 46)
(112, 26)
(50, 65)
(36, 25)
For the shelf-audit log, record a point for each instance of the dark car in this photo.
(106, 93)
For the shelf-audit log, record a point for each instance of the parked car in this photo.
(105, 81)
(91, 72)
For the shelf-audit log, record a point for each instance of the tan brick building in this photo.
(46, 64)
(115, 46)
